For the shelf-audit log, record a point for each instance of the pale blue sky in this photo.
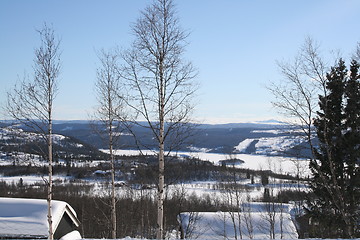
(233, 43)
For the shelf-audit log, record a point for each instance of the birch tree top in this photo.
(233, 44)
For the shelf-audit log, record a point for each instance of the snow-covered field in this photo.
(277, 164)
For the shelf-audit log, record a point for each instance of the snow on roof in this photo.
(20, 217)
(255, 223)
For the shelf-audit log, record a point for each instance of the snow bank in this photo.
(74, 235)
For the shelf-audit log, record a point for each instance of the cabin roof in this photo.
(21, 217)
(254, 223)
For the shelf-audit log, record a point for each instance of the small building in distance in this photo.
(22, 218)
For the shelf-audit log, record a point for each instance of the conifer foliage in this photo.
(335, 168)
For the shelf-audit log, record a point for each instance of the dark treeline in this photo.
(136, 212)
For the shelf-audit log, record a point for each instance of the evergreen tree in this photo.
(352, 146)
(336, 165)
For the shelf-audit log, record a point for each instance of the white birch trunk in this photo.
(49, 192)
(113, 199)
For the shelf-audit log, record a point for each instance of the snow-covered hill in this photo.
(12, 135)
(276, 144)
(264, 138)
(25, 145)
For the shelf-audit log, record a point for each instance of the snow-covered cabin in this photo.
(23, 218)
(253, 221)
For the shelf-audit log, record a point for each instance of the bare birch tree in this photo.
(160, 83)
(296, 97)
(248, 218)
(31, 102)
(233, 195)
(109, 114)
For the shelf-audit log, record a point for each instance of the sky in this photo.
(234, 44)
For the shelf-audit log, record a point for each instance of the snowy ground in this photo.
(129, 238)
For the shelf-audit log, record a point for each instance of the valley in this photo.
(256, 161)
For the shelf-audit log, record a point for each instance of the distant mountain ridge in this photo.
(259, 124)
(266, 137)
